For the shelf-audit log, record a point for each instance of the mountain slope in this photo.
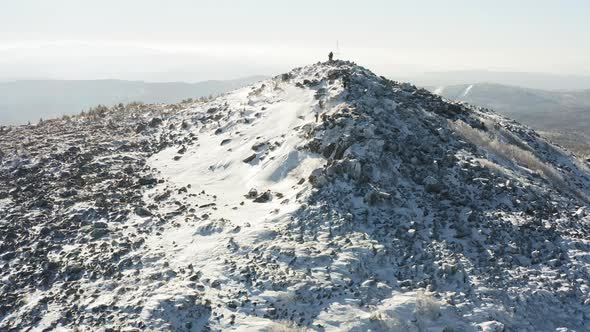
(548, 110)
(565, 115)
(327, 198)
(541, 81)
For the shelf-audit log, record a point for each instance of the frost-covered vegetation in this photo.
(506, 145)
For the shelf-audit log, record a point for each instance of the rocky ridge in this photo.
(326, 198)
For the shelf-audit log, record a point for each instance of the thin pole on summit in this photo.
(336, 53)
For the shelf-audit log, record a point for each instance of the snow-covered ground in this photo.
(325, 199)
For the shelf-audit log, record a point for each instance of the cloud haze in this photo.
(198, 40)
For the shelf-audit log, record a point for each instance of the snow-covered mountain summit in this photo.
(326, 198)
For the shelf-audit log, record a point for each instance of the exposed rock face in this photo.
(264, 197)
(413, 217)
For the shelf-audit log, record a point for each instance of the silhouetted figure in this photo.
(331, 56)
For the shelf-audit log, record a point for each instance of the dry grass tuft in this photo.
(511, 148)
(427, 307)
(285, 326)
(383, 322)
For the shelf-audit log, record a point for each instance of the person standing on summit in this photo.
(330, 57)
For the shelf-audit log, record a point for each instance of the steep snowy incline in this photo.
(392, 202)
(248, 154)
(263, 130)
(324, 199)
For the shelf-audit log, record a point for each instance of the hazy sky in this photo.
(197, 40)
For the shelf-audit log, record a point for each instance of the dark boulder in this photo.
(142, 212)
(264, 197)
(147, 181)
(250, 158)
(252, 193)
(155, 122)
(140, 128)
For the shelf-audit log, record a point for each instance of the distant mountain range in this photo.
(541, 81)
(29, 100)
(564, 114)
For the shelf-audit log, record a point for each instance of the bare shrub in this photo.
(383, 322)
(286, 297)
(508, 150)
(427, 307)
(134, 104)
(495, 168)
(285, 326)
(277, 85)
(206, 98)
